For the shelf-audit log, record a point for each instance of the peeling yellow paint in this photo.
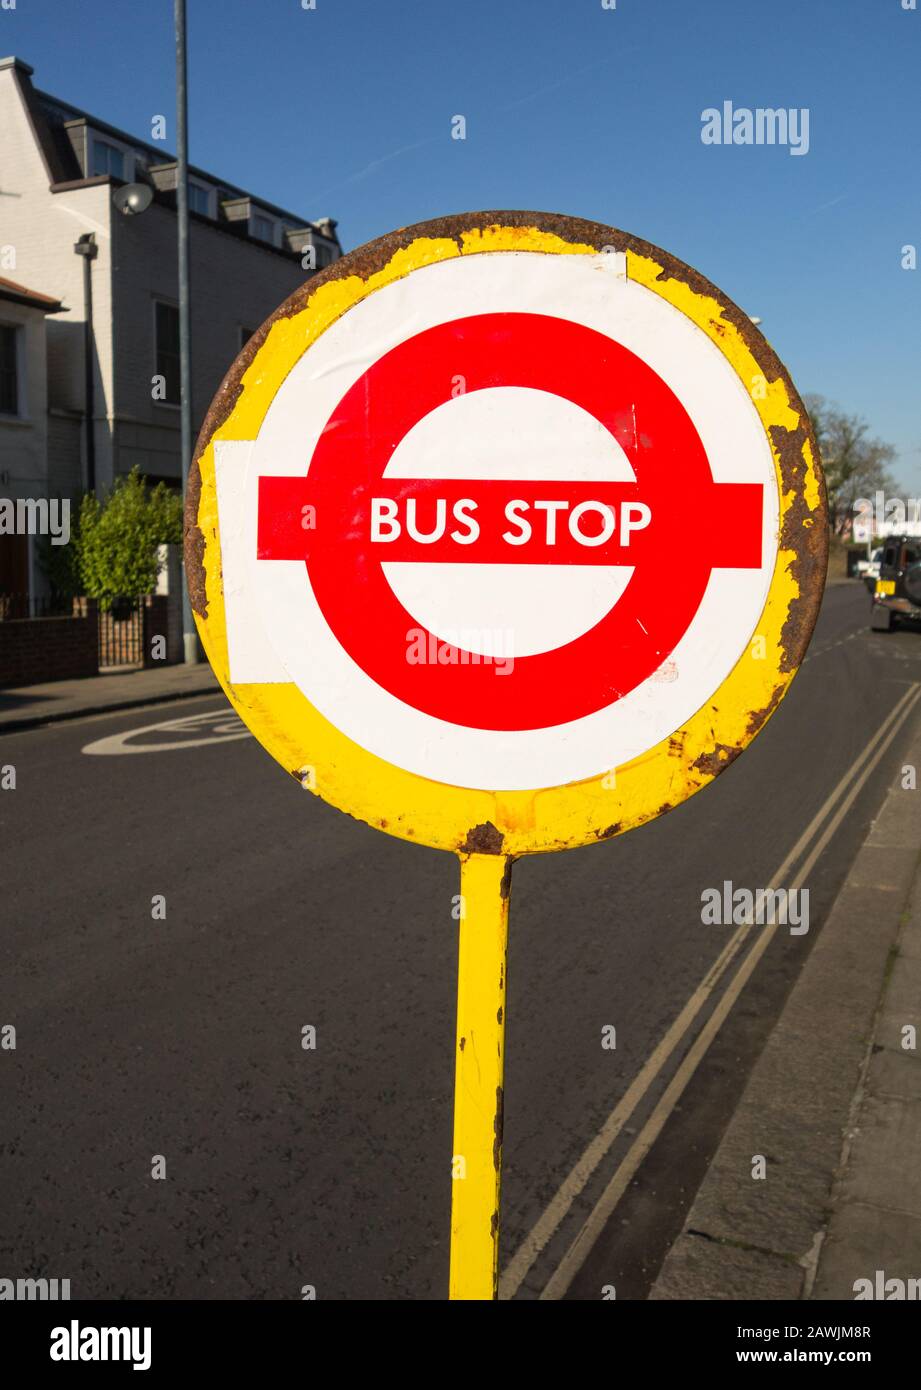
(497, 238)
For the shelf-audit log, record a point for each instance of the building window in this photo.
(9, 369)
(167, 349)
(263, 228)
(325, 255)
(108, 159)
(199, 199)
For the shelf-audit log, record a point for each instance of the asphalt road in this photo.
(330, 1167)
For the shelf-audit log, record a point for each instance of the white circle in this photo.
(607, 523)
(508, 610)
(583, 289)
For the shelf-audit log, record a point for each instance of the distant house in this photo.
(89, 329)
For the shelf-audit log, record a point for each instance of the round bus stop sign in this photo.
(506, 532)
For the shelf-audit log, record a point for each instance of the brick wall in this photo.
(49, 649)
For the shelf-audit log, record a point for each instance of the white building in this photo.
(89, 315)
(23, 418)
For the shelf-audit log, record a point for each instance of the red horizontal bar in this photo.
(725, 520)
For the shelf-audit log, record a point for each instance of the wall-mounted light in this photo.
(133, 198)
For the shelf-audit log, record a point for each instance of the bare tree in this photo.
(854, 463)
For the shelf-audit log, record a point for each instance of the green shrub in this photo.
(116, 540)
(61, 563)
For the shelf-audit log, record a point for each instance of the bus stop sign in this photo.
(505, 533)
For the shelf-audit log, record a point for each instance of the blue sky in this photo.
(346, 111)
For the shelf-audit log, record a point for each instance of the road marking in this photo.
(223, 724)
(585, 1240)
(820, 651)
(559, 1206)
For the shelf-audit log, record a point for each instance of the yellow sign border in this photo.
(513, 823)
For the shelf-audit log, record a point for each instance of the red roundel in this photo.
(694, 524)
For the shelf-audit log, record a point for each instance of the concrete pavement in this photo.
(28, 706)
(875, 1226)
(833, 1105)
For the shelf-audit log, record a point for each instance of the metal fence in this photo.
(121, 634)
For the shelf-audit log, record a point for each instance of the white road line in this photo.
(221, 726)
(560, 1204)
(820, 651)
(577, 1252)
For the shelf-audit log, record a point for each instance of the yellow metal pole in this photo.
(478, 1077)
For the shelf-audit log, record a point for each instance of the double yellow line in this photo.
(834, 809)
